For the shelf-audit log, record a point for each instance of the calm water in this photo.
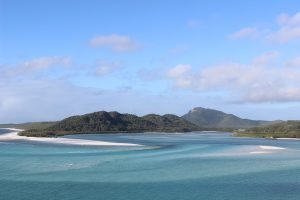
(172, 166)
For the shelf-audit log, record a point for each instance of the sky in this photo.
(62, 57)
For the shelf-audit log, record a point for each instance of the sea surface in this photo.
(183, 166)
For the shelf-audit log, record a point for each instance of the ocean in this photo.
(183, 166)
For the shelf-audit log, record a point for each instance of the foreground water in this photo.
(169, 166)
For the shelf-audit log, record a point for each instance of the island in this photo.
(286, 129)
(113, 122)
(196, 119)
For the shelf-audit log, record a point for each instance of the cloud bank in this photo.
(248, 32)
(257, 82)
(116, 43)
(105, 68)
(287, 30)
(35, 65)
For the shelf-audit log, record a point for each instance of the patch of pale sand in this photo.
(268, 149)
(13, 129)
(260, 152)
(14, 136)
(271, 147)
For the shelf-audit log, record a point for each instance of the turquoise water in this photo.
(171, 166)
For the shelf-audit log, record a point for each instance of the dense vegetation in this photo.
(288, 129)
(30, 125)
(111, 122)
(216, 120)
(170, 123)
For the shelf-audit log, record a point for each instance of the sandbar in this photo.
(60, 140)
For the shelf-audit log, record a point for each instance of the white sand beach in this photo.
(267, 149)
(14, 136)
(271, 147)
(260, 152)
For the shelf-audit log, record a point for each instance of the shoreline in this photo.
(68, 141)
(288, 139)
(235, 134)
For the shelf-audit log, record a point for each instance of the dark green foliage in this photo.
(170, 123)
(214, 119)
(38, 133)
(29, 125)
(111, 122)
(100, 122)
(289, 129)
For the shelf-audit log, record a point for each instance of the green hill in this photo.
(288, 129)
(214, 119)
(29, 125)
(111, 122)
(170, 123)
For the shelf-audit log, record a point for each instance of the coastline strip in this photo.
(14, 136)
(260, 152)
(288, 139)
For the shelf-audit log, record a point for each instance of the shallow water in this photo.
(170, 166)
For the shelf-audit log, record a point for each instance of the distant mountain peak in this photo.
(193, 110)
(201, 109)
(211, 118)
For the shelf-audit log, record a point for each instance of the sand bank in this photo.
(14, 136)
(271, 147)
(266, 149)
(260, 152)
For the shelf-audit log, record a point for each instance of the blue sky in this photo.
(63, 57)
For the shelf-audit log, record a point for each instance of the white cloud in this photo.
(179, 70)
(288, 30)
(117, 43)
(265, 58)
(271, 94)
(105, 68)
(35, 65)
(247, 32)
(294, 62)
(259, 81)
(285, 19)
(182, 75)
(46, 62)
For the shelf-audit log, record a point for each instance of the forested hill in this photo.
(110, 122)
(215, 119)
(287, 129)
